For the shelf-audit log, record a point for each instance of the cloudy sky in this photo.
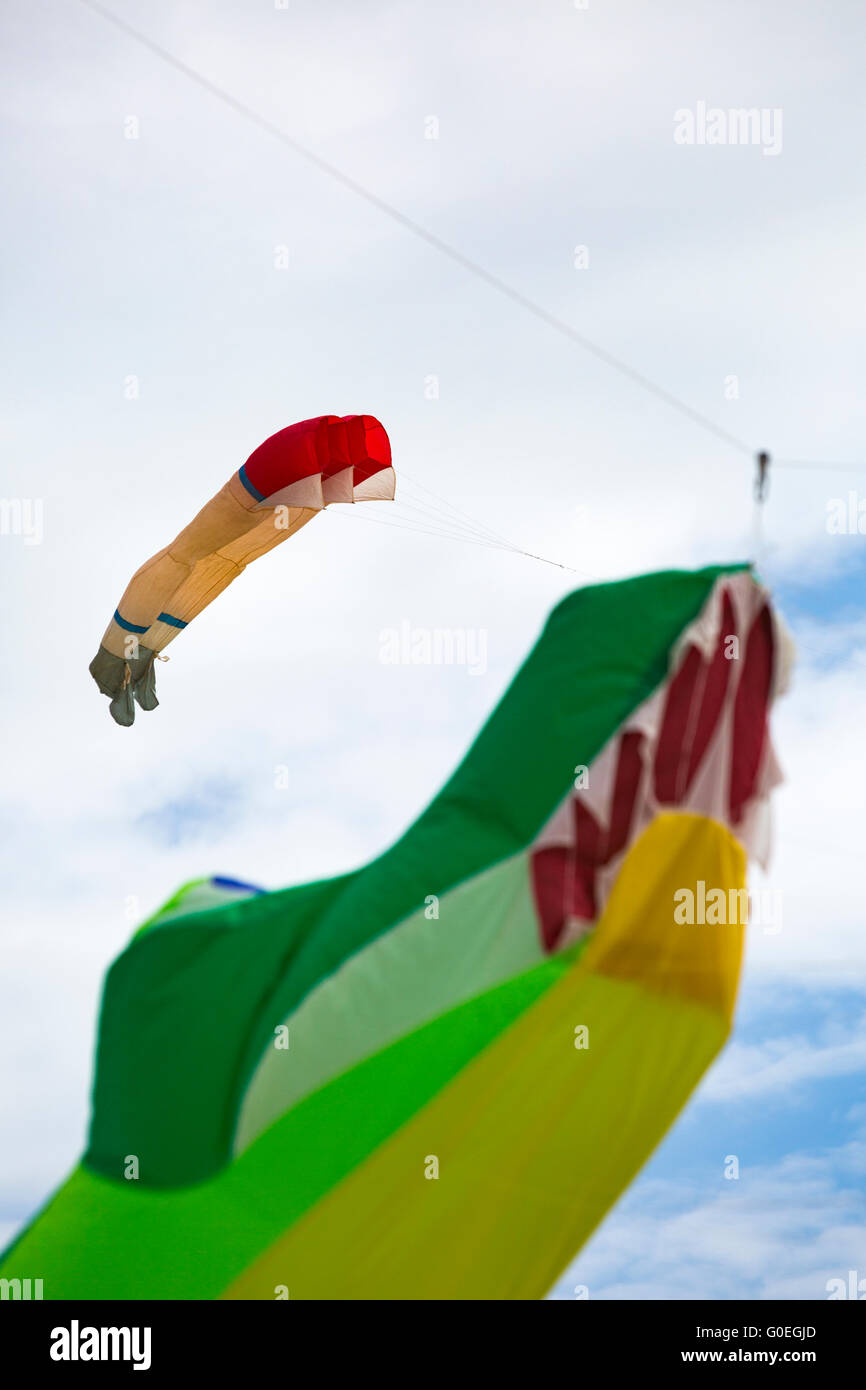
(179, 283)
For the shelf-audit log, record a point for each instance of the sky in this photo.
(179, 283)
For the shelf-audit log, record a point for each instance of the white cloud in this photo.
(779, 1232)
(781, 1066)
